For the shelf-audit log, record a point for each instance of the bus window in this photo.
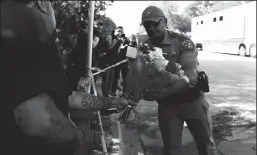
(221, 18)
(197, 23)
(214, 19)
(201, 22)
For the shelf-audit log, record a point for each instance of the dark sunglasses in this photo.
(151, 24)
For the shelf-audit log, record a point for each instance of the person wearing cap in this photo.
(182, 101)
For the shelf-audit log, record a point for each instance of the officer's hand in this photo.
(193, 82)
(122, 102)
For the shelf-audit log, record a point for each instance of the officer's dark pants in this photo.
(196, 115)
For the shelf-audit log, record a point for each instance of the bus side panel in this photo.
(221, 46)
(231, 28)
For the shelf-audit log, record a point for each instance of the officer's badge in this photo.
(188, 45)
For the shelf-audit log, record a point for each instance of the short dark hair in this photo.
(119, 27)
(100, 23)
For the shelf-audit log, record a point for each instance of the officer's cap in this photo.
(152, 13)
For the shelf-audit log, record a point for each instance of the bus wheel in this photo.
(253, 51)
(242, 51)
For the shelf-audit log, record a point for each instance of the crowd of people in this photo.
(107, 51)
(38, 89)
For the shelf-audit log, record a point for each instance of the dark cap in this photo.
(100, 23)
(152, 13)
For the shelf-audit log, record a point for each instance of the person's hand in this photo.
(122, 47)
(81, 82)
(193, 82)
(122, 102)
(155, 94)
(76, 99)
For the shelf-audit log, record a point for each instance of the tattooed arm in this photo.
(89, 102)
(39, 117)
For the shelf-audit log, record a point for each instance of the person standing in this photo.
(185, 100)
(34, 87)
(114, 42)
(123, 68)
(77, 40)
(133, 41)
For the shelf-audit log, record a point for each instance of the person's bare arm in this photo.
(39, 117)
(88, 102)
(95, 41)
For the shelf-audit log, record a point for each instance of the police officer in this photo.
(184, 101)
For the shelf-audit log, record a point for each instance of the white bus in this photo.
(232, 30)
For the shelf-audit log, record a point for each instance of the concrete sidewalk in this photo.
(150, 135)
(142, 135)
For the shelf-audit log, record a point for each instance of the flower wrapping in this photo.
(150, 70)
(154, 55)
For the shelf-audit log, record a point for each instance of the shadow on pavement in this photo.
(228, 126)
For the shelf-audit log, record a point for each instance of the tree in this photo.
(65, 9)
(169, 8)
(109, 25)
(175, 21)
(180, 23)
(198, 8)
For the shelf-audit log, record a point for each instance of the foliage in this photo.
(180, 22)
(176, 21)
(109, 25)
(198, 8)
(65, 9)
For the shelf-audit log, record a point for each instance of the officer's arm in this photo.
(39, 117)
(189, 62)
(188, 59)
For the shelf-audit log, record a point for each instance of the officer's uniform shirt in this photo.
(180, 49)
(175, 45)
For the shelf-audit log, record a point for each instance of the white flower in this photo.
(156, 58)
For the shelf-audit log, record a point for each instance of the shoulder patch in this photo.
(187, 45)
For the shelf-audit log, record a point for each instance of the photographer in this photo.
(123, 68)
(114, 42)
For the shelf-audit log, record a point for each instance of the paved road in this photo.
(232, 88)
(232, 81)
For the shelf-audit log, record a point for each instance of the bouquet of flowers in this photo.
(154, 56)
(150, 70)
